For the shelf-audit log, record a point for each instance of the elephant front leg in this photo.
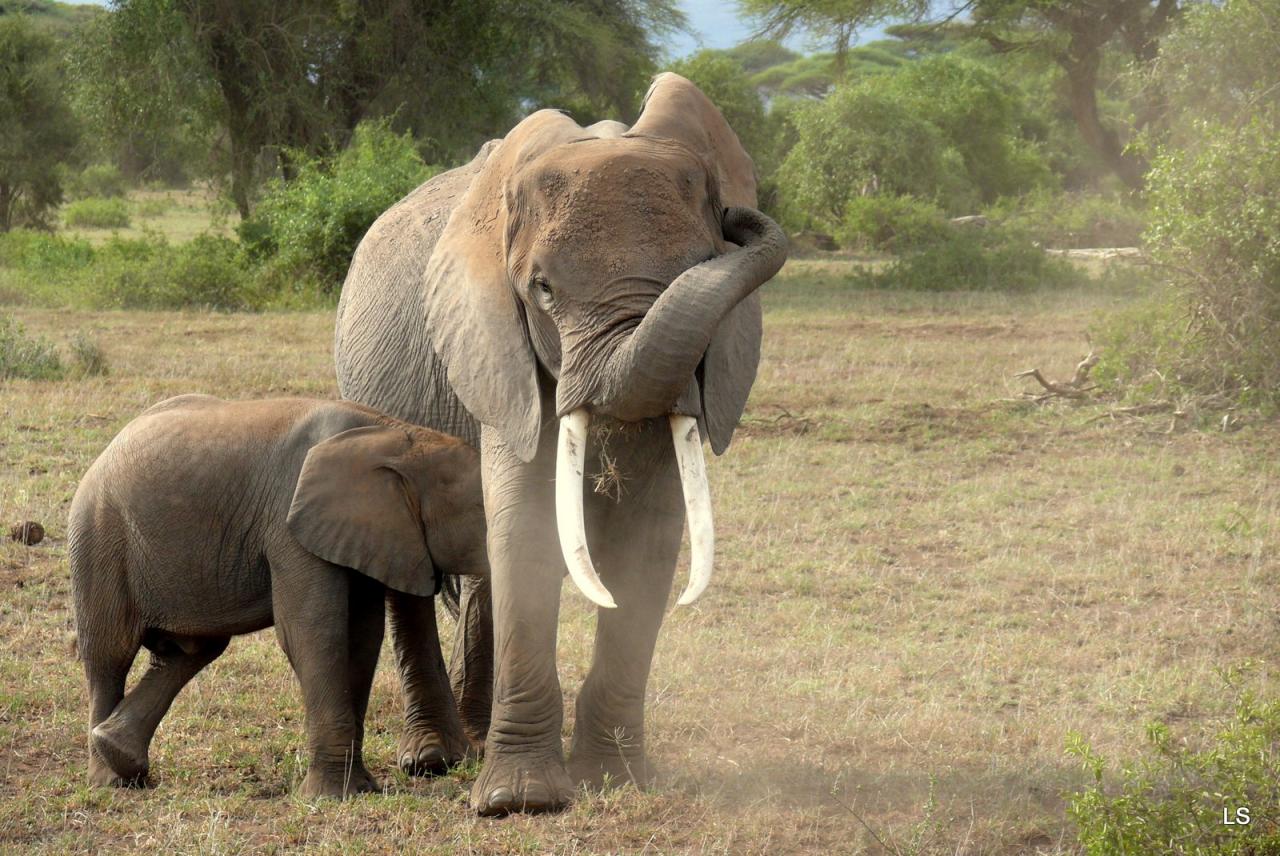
(524, 759)
(608, 732)
(433, 739)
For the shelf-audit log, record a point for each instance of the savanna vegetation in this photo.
(959, 617)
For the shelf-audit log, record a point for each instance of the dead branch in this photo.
(1073, 389)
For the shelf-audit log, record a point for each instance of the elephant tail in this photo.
(451, 593)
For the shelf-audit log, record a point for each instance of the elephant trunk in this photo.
(647, 373)
(571, 526)
(652, 373)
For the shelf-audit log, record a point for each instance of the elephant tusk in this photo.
(697, 505)
(571, 453)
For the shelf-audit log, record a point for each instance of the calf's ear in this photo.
(352, 507)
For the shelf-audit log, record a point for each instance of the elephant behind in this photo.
(564, 276)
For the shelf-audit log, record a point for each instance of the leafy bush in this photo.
(1070, 220)
(43, 252)
(102, 180)
(311, 225)
(991, 259)
(149, 273)
(96, 213)
(893, 223)
(1172, 800)
(1214, 196)
(23, 356)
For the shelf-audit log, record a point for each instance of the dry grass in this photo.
(920, 592)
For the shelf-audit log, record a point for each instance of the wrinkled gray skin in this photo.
(563, 268)
(206, 519)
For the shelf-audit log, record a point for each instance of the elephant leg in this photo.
(365, 629)
(471, 665)
(123, 739)
(310, 601)
(433, 739)
(106, 667)
(524, 759)
(608, 732)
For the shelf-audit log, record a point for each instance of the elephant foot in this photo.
(598, 770)
(119, 750)
(102, 776)
(512, 781)
(338, 781)
(430, 753)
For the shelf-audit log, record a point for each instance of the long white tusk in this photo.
(697, 505)
(571, 452)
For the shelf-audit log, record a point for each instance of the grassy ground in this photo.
(921, 591)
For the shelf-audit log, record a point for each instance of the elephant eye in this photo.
(541, 290)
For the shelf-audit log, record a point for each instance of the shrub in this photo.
(88, 356)
(1068, 220)
(97, 213)
(148, 273)
(894, 223)
(23, 356)
(1172, 800)
(102, 180)
(311, 225)
(990, 259)
(43, 252)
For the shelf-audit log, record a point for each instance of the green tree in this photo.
(37, 129)
(301, 74)
(1078, 35)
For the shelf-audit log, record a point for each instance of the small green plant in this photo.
(149, 273)
(1180, 798)
(97, 213)
(88, 356)
(25, 356)
(43, 252)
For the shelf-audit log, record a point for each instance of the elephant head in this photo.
(621, 265)
(396, 504)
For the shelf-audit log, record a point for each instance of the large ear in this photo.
(352, 508)
(476, 324)
(676, 109)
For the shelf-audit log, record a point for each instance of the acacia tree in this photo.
(37, 131)
(301, 74)
(1076, 34)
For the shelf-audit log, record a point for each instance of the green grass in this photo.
(177, 215)
(922, 589)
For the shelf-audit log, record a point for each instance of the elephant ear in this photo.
(351, 507)
(477, 325)
(676, 109)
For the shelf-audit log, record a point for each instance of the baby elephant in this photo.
(205, 519)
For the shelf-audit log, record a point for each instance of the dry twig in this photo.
(1074, 388)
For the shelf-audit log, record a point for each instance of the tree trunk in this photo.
(1082, 77)
(6, 207)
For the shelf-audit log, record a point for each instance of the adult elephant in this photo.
(564, 275)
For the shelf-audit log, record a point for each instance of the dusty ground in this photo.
(921, 591)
